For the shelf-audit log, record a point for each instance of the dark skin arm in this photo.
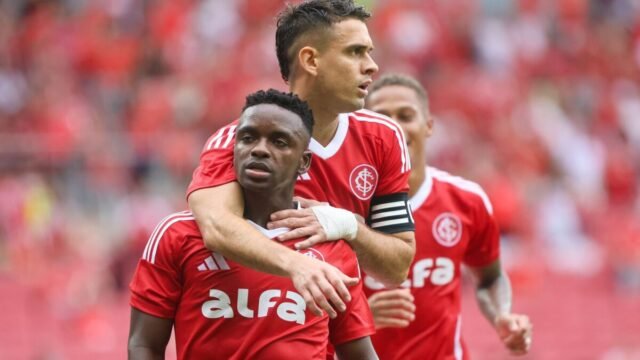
(359, 349)
(148, 336)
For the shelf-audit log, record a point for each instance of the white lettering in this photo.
(421, 271)
(293, 311)
(219, 307)
(243, 301)
(266, 301)
(442, 274)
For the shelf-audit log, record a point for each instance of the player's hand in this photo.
(392, 308)
(303, 224)
(322, 285)
(515, 331)
(307, 203)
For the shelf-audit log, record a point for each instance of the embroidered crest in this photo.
(363, 181)
(447, 229)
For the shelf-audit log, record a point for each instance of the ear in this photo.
(308, 60)
(430, 123)
(305, 162)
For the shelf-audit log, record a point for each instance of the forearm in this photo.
(144, 353)
(219, 217)
(385, 257)
(495, 298)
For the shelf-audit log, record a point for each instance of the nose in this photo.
(370, 66)
(260, 150)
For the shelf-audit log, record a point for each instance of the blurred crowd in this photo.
(105, 105)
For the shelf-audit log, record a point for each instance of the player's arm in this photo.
(493, 293)
(218, 211)
(361, 348)
(387, 257)
(385, 254)
(148, 336)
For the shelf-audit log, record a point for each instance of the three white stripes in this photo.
(388, 122)
(394, 211)
(214, 262)
(216, 141)
(151, 248)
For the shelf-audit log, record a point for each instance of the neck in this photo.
(259, 205)
(326, 120)
(418, 174)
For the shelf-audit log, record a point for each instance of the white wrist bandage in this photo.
(337, 223)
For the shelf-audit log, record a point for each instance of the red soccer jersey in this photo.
(222, 310)
(364, 165)
(454, 225)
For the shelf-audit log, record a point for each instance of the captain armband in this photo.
(391, 214)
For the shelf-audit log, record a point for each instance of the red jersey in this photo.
(222, 310)
(454, 225)
(364, 167)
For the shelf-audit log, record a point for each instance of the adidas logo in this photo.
(214, 262)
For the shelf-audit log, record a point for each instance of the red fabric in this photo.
(179, 278)
(368, 139)
(435, 277)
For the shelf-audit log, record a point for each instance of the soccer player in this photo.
(361, 165)
(222, 310)
(454, 225)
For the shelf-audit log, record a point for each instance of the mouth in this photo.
(257, 170)
(364, 85)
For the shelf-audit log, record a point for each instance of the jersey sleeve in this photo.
(357, 320)
(484, 245)
(394, 165)
(389, 211)
(156, 285)
(216, 160)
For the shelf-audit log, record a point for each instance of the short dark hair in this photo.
(296, 20)
(401, 80)
(289, 101)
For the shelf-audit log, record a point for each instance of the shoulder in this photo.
(170, 231)
(467, 189)
(372, 122)
(222, 137)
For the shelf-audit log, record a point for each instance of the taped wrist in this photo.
(337, 223)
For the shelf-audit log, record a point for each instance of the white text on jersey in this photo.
(441, 274)
(220, 306)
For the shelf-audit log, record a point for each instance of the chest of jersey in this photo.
(347, 179)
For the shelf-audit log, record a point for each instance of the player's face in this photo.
(270, 148)
(403, 105)
(345, 66)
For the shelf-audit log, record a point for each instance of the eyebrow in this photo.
(360, 47)
(252, 129)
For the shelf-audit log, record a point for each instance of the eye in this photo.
(406, 116)
(246, 138)
(280, 142)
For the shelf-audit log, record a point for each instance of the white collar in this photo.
(271, 234)
(423, 192)
(333, 146)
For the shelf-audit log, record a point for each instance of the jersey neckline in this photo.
(271, 234)
(423, 192)
(325, 152)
